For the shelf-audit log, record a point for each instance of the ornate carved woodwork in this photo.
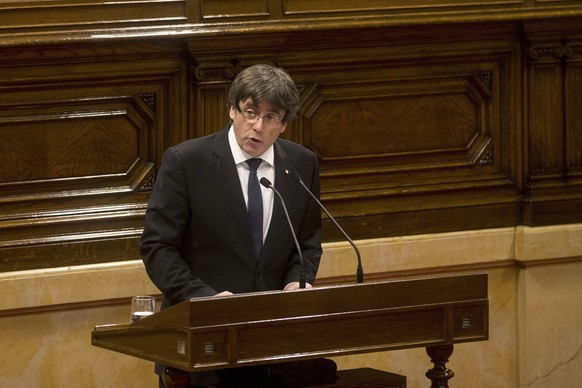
(426, 118)
(78, 141)
(553, 123)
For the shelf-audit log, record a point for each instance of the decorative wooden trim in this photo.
(445, 119)
(209, 72)
(35, 15)
(96, 20)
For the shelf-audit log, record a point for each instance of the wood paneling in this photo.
(77, 141)
(413, 136)
(553, 122)
(349, 6)
(421, 125)
(46, 15)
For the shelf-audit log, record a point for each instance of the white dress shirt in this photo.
(266, 169)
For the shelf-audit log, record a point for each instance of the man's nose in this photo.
(258, 125)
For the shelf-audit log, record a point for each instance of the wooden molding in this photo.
(464, 116)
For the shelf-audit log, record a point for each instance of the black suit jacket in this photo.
(196, 240)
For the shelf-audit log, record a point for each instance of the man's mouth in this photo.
(254, 140)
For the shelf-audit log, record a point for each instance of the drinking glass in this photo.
(142, 306)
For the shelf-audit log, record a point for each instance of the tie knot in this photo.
(254, 163)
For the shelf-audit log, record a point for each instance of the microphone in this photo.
(297, 178)
(267, 183)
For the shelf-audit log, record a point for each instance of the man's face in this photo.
(256, 137)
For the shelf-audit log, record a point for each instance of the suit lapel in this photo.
(230, 184)
(285, 185)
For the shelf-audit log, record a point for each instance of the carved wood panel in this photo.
(410, 136)
(77, 157)
(554, 122)
(33, 15)
(421, 124)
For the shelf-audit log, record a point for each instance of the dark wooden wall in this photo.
(426, 118)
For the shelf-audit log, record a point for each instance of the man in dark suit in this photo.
(198, 239)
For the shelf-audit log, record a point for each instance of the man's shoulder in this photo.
(291, 147)
(201, 141)
(200, 144)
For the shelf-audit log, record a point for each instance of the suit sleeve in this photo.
(167, 216)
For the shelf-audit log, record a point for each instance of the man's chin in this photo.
(254, 149)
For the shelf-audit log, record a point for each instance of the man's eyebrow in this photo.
(254, 106)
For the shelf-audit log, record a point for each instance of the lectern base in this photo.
(350, 378)
(366, 378)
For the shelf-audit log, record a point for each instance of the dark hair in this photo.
(265, 83)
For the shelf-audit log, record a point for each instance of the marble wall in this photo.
(46, 316)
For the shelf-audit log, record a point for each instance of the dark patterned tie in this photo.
(255, 206)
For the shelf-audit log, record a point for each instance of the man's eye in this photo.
(251, 113)
(270, 118)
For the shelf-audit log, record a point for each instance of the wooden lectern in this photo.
(267, 327)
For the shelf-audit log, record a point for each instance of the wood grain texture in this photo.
(419, 126)
(259, 328)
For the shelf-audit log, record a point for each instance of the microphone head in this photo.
(265, 182)
(295, 175)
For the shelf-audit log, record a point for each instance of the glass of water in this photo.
(142, 306)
